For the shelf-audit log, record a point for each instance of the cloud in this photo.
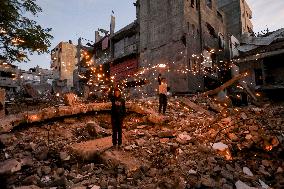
(267, 14)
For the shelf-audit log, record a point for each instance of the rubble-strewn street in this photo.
(193, 147)
(141, 94)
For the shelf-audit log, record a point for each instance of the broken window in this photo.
(188, 27)
(193, 29)
(192, 3)
(183, 39)
(209, 3)
(211, 30)
(258, 77)
(221, 41)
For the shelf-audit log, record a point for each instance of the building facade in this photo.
(8, 76)
(262, 57)
(180, 39)
(125, 52)
(63, 62)
(36, 76)
(238, 17)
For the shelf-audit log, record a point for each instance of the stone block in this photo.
(88, 150)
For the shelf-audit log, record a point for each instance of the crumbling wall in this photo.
(170, 35)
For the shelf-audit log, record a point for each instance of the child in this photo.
(117, 115)
(163, 89)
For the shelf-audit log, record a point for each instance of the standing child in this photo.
(163, 89)
(117, 115)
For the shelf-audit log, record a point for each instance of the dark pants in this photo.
(117, 131)
(163, 103)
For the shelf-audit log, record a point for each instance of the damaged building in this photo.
(187, 36)
(185, 41)
(8, 77)
(92, 74)
(238, 17)
(124, 52)
(263, 57)
(63, 61)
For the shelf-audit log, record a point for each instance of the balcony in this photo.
(123, 52)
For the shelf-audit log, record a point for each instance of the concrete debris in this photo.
(251, 42)
(192, 172)
(96, 187)
(247, 171)
(183, 138)
(241, 185)
(220, 146)
(9, 122)
(263, 185)
(9, 166)
(88, 150)
(64, 156)
(70, 99)
(193, 146)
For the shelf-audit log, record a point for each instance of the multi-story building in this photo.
(124, 52)
(182, 40)
(238, 17)
(8, 76)
(63, 62)
(37, 76)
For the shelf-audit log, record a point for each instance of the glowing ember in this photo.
(162, 65)
(268, 148)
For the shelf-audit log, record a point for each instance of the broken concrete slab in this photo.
(152, 116)
(241, 185)
(9, 122)
(70, 99)
(88, 150)
(9, 166)
(94, 129)
(118, 157)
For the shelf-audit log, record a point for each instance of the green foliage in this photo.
(20, 35)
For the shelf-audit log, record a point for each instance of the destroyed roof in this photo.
(250, 43)
(127, 30)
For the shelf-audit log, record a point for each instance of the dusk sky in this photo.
(71, 19)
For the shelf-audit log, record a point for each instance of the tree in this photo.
(20, 35)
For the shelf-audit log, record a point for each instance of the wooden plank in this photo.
(194, 106)
(249, 91)
(227, 84)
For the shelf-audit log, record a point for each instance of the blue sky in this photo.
(71, 19)
(267, 14)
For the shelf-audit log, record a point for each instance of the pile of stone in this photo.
(192, 146)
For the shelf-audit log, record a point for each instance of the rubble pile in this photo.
(192, 146)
